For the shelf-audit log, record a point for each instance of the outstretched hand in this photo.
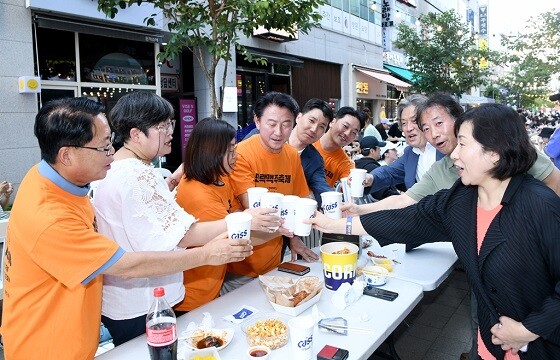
(222, 250)
(297, 247)
(264, 219)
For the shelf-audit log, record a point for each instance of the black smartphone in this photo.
(292, 268)
(380, 293)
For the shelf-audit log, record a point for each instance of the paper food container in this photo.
(280, 292)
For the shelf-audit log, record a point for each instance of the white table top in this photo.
(427, 265)
(384, 316)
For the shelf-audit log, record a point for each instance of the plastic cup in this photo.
(331, 202)
(288, 211)
(305, 209)
(272, 200)
(254, 195)
(301, 337)
(339, 263)
(239, 225)
(358, 177)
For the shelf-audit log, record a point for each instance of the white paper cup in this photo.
(272, 200)
(288, 211)
(305, 209)
(358, 177)
(331, 202)
(239, 225)
(301, 337)
(254, 195)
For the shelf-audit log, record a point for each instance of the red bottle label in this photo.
(161, 337)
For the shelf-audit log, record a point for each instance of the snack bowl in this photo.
(375, 275)
(295, 311)
(270, 330)
(209, 354)
(258, 352)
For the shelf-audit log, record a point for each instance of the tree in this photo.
(532, 57)
(443, 54)
(214, 26)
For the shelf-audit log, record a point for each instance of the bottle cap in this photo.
(159, 292)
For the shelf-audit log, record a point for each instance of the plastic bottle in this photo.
(161, 328)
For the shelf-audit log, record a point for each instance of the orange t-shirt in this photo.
(206, 203)
(52, 248)
(337, 163)
(484, 219)
(281, 173)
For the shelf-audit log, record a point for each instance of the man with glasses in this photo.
(55, 257)
(344, 129)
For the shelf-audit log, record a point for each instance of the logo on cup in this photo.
(330, 207)
(257, 204)
(284, 213)
(239, 235)
(305, 343)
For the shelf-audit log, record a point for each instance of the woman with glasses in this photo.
(134, 207)
(205, 192)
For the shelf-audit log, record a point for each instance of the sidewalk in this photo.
(439, 328)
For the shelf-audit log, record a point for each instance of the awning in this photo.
(399, 84)
(400, 72)
(276, 58)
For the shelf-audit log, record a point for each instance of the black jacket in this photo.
(517, 273)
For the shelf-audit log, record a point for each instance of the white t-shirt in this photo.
(133, 206)
(425, 161)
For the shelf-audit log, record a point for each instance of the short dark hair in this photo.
(318, 104)
(65, 122)
(411, 100)
(276, 98)
(443, 100)
(209, 142)
(499, 128)
(141, 110)
(348, 110)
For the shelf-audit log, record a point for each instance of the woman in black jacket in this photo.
(504, 226)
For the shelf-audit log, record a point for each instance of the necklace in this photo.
(136, 155)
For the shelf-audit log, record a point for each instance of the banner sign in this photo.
(483, 20)
(187, 121)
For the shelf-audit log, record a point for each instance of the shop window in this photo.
(57, 55)
(108, 96)
(114, 61)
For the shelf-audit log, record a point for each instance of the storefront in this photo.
(376, 87)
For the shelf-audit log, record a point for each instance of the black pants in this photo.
(124, 330)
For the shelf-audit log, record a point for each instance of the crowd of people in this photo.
(472, 178)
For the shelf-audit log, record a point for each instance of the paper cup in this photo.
(305, 209)
(288, 211)
(375, 275)
(339, 268)
(254, 195)
(272, 200)
(239, 225)
(301, 337)
(331, 202)
(358, 177)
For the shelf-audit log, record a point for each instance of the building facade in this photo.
(77, 51)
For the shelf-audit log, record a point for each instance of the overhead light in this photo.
(164, 43)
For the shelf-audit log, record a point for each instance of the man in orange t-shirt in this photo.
(55, 258)
(344, 129)
(266, 160)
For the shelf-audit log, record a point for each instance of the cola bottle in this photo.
(161, 328)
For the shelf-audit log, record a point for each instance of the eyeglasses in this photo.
(167, 128)
(108, 150)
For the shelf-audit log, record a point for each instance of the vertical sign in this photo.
(470, 20)
(387, 23)
(187, 113)
(483, 20)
